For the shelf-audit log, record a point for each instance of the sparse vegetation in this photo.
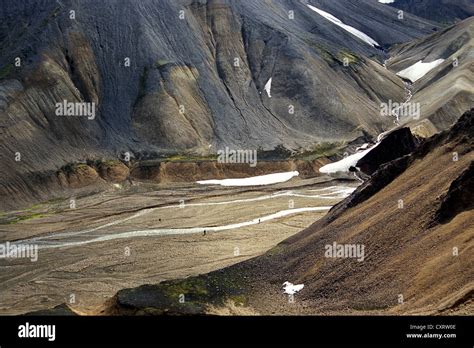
(13, 219)
(322, 51)
(194, 288)
(72, 167)
(99, 163)
(190, 158)
(278, 153)
(331, 58)
(324, 149)
(351, 58)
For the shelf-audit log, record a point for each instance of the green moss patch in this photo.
(184, 296)
(190, 158)
(73, 167)
(349, 57)
(13, 219)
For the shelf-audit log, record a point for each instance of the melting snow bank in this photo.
(418, 70)
(364, 37)
(344, 164)
(253, 181)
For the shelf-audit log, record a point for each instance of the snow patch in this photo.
(364, 37)
(363, 147)
(268, 87)
(344, 164)
(253, 181)
(291, 289)
(387, 1)
(418, 70)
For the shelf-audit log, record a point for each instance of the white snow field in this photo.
(364, 37)
(418, 70)
(253, 181)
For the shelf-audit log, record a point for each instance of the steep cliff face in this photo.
(395, 145)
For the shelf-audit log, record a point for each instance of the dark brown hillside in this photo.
(407, 256)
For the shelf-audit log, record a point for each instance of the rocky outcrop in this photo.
(400, 142)
(113, 171)
(396, 144)
(459, 198)
(77, 176)
(385, 174)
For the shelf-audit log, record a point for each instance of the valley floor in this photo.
(146, 234)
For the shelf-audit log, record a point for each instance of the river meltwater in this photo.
(106, 232)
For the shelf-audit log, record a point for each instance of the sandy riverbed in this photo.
(89, 253)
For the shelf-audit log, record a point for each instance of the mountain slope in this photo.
(447, 90)
(164, 85)
(442, 11)
(414, 262)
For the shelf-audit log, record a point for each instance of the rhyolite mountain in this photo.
(447, 90)
(195, 81)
